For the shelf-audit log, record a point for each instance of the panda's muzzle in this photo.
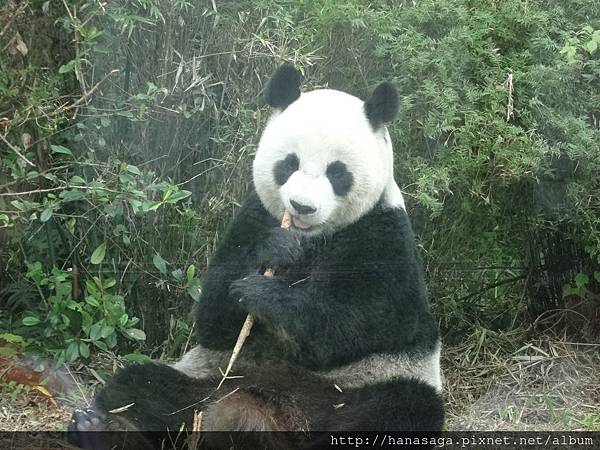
(302, 209)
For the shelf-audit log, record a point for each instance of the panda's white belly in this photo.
(380, 368)
(203, 363)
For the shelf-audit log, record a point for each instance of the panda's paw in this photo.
(254, 293)
(87, 420)
(281, 249)
(84, 428)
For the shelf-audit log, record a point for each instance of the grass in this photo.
(545, 384)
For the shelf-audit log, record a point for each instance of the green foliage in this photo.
(591, 422)
(137, 139)
(13, 388)
(68, 327)
(580, 44)
(76, 209)
(582, 286)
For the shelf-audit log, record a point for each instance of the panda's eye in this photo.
(285, 168)
(340, 178)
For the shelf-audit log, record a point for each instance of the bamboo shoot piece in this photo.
(286, 222)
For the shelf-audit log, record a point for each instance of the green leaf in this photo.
(30, 321)
(126, 179)
(194, 292)
(46, 214)
(60, 149)
(178, 274)
(107, 331)
(72, 195)
(92, 288)
(77, 180)
(127, 114)
(137, 357)
(133, 169)
(99, 253)
(84, 349)
(24, 205)
(150, 206)
(72, 352)
(191, 271)
(597, 276)
(96, 331)
(176, 196)
(92, 301)
(51, 177)
(160, 263)
(591, 46)
(135, 204)
(12, 338)
(101, 345)
(581, 280)
(135, 333)
(66, 68)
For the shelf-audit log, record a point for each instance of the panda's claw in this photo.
(84, 427)
(86, 420)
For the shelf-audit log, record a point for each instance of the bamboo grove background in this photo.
(127, 131)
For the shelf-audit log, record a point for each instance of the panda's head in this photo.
(325, 156)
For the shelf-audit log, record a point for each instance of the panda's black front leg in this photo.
(278, 302)
(260, 296)
(285, 252)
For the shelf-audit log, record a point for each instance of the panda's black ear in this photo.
(283, 88)
(382, 105)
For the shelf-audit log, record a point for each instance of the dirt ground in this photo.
(545, 385)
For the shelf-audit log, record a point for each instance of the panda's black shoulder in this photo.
(382, 231)
(251, 216)
(252, 208)
(249, 224)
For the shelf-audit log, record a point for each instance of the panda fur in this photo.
(343, 336)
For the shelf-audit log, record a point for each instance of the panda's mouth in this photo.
(298, 223)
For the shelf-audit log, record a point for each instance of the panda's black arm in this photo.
(365, 295)
(218, 319)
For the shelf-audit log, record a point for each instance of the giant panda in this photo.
(344, 339)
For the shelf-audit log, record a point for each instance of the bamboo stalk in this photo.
(286, 222)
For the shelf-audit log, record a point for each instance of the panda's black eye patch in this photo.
(340, 178)
(285, 168)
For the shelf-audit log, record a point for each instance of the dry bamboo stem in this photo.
(286, 222)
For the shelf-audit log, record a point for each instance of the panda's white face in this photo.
(321, 160)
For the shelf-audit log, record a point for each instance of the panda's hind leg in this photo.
(399, 405)
(141, 397)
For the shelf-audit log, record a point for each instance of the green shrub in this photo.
(136, 172)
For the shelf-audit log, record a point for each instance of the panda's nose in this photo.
(302, 209)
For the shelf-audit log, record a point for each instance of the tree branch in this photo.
(17, 151)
